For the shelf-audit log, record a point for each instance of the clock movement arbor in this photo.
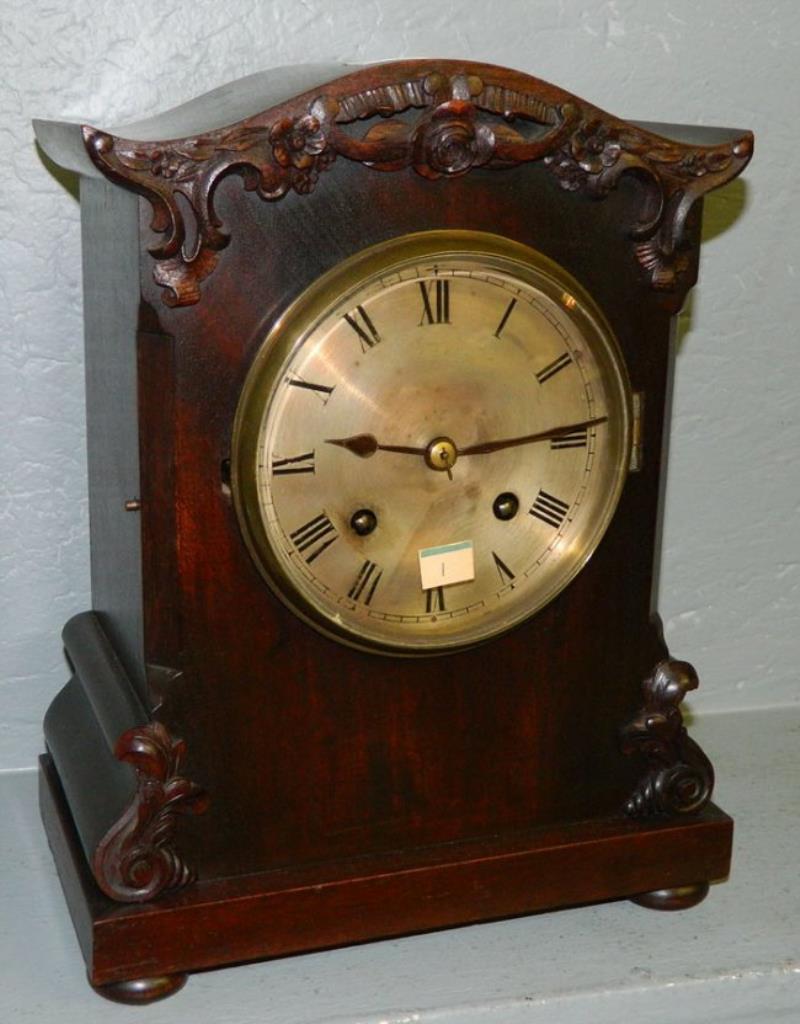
(241, 766)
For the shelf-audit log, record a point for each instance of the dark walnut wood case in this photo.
(222, 783)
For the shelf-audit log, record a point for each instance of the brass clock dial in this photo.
(431, 442)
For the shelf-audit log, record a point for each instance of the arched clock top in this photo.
(456, 116)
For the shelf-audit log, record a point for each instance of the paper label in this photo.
(446, 564)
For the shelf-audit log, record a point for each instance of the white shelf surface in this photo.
(735, 958)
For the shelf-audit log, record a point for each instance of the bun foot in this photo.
(142, 990)
(680, 898)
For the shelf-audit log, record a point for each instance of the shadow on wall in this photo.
(69, 180)
(721, 210)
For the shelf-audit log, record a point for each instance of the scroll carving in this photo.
(460, 121)
(600, 151)
(136, 860)
(679, 778)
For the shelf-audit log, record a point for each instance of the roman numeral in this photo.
(293, 464)
(322, 389)
(549, 509)
(506, 575)
(311, 536)
(434, 600)
(438, 311)
(506, 315)
(552, 368)
(365, 584)
(365, 329)
(575, 439)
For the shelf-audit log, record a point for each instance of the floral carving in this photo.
(136, 860)
(300, 146)
(464, 121)
(592, 150)
(679, 778)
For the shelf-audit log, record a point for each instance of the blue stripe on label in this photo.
(445, 549)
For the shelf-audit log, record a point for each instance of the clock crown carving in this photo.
(380, 358)
(464, 117)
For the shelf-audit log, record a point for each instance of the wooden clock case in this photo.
(223, 783)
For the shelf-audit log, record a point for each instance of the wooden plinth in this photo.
(275, 913)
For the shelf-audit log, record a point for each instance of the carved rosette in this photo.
(464, 121)
(679, 778)
(136, 860)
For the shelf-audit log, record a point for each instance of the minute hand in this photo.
(544, 435)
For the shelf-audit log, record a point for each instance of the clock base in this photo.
(142, 952)
(680, 897)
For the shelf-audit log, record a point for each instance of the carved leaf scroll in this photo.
(136, 860)
(678, 777)
(466, 120)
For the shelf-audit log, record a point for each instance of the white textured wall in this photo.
(731, 569)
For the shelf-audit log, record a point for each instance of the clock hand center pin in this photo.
(441, 454)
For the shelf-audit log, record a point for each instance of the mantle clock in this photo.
(378, 366)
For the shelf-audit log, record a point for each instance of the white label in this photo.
(446, 564)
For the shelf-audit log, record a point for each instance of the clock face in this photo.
(431, 442)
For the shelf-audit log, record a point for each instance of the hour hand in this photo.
(365, 445)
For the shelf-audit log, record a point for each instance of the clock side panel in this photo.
(312, 750)
(110, 229)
